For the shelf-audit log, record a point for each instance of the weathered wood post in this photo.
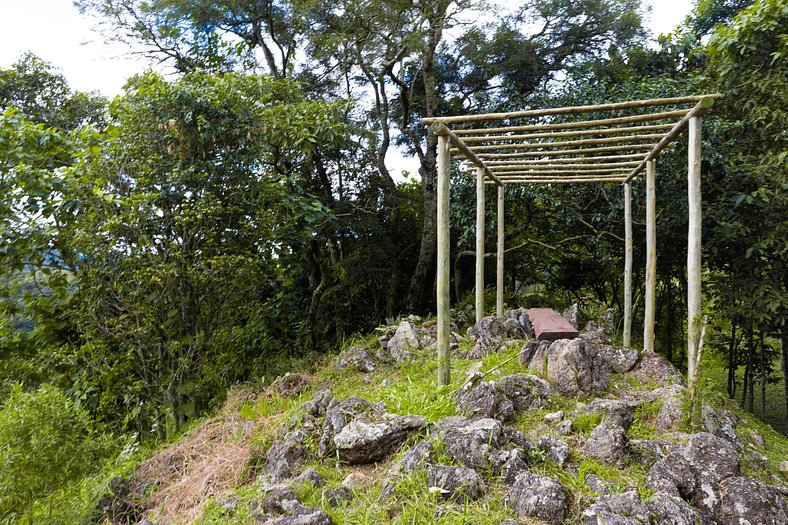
(443, 271)
(627, 264)
(693, 249)
(479, 244)
(651, 255)
(499, 256)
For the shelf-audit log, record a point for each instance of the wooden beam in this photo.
(694, 249)
(443, 270)
(560, 180)
(568, 174)
(442, 131)
(579, 133)
(571, 160)
(651, 256)
(518, 165)
(499, 258)
(627, 265)
(571, 110)
(700, 109)
(580, 124)
(562, 143)
(520, 171)
(480, 244)
(558, 153)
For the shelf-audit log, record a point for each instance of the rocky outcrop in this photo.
(617, 509)
(357, 358)
(621, 360)
(362, 432)
(491, 332)
(607, 443)
(539, 497)
(504, 399)
(285, 456)
(574, 368)
(403, 342)
(615, 411)
(746, 500)
(556, 450)
(655, 370)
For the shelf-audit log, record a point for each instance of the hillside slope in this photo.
(573, 431)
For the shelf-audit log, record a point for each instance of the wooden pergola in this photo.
(573, 145)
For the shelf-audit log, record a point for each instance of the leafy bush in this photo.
(44, 444)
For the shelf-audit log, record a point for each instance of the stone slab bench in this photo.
(549, 325)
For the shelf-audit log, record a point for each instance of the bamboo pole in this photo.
(479, 245)
(627, 265)
(563, 143)
(700, 108)
(514, 164)
(442, 131)
(651, 256)
(443, 270)
(571, 160)
(499, 258)
(586, 172)
(581, 124)
(694, 249)
(559, 153)
(571, 110)
(559, 134)
(560, 180)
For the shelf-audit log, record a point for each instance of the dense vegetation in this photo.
(204, 228)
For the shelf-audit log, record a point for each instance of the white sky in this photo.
(55, 31)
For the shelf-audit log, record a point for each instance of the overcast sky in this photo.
(55, 31)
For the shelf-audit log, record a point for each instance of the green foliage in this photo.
(45, 443)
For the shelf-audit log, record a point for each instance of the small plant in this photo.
(585, 422)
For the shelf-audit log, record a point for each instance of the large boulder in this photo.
(455, 483)
(474, 443)
(721, 423)
(503, 399)
(746, 500)
(617, 509)
(672, 475)
(670, 510)
(713, 460)
(621, 360)
(525, 391)
(654, 370)
(615, 411)
(573, 368)
(556, 450)
(285, 456)
(363, 432)
(357, 358)
(607, 443)
(540, 497)
(533, 355)
(572, 314)
(403, 342)
(521, 316)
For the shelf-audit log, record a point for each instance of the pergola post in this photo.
(499, 256)
(651, 255)
(627, 264)
(693, 249)
(479, 244)
(443, 248)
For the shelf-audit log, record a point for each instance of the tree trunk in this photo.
(763, 377)
(751, 381)
(732, 361)
(784, 356)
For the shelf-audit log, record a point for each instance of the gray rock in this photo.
(673, 476)
(653, 369)
(521, 316)
(564, 428)
(514, 465)
(363, 432)
(712, 460)
(356, 357)
(572, 369)
(783, 468)
(337, 497)
(596, 334)
(615, 411)
(404, 340)
(757, 439)
(721, 423)
(671, 412)
(617, 509)
(533, 355)
(455, 483)
(746, 500)
(597, 485)
(607, 443)
(280, 499)
(285, 457)
(517, 438)
(483, 400)
(525, 391)
(317, 406)
(621, 360)
(310, 476)
(290, 384)
(474, 443)
(303, 516)
(555, 449)
(554, 417)
(491, 332)
(538, 497)
(670, 510)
